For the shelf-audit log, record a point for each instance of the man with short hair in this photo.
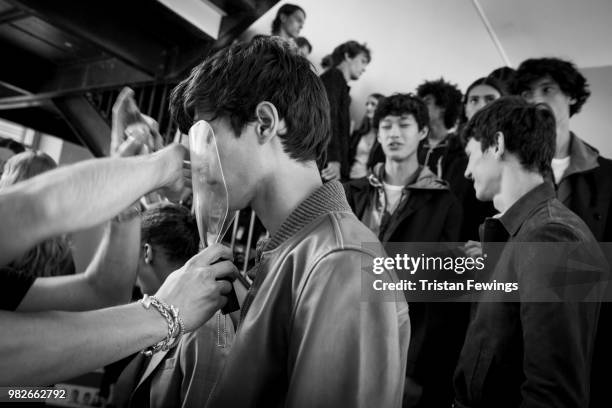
(402, 201)
(305, 337)
(535, 350)
(182, 376)
(581, 177)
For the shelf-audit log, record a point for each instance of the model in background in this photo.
(581, 177)
(363, 139)
(347, 63)
(289, 21)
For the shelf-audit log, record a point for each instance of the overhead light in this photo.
(200, 13)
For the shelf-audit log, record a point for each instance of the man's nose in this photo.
(468, 173)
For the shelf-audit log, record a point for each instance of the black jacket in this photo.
(339, 113)
(589, 178)
(449, 161)
(429, 213)
(535, 352)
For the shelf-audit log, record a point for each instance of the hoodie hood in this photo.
(425, 179)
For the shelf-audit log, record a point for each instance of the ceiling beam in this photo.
(106, 24)
(76, 80)
(91, 129)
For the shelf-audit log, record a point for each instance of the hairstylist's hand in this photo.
(331, 171)
(194, 288)
(132, 132)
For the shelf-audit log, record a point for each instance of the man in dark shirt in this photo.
(581, 176)
(347, 63)
(536, 350)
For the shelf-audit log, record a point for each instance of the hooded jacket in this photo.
(428, 212)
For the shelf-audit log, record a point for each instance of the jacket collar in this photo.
(516, 215)
(582, 156)
(330, 197)
(452, 141)
(423, 179)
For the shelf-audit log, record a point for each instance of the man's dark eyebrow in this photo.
(547, 82)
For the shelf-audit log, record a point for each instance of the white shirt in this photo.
(559, 166)
(393, 195)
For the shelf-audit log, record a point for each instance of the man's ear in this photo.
(423, 132)
(268, 123)
(500, 146)
(147, 254)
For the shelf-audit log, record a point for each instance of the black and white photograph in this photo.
(306, 203)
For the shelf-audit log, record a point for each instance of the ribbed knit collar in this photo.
(330, 197)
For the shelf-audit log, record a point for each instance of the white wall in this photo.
(415, 40)
(410, 41)
(594, 122)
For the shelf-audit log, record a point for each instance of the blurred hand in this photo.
(132, 132)
(171, 163)
(331, 171)
(195, 288)
(472, 249)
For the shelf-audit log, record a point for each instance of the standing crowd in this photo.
(495, 170)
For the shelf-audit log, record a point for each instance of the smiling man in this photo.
(535, 352)
(402, 201)
(305, 338)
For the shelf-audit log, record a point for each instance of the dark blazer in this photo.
(448, 161)
(430, 213)
(590, 180)
(592, 198)
(339, 113)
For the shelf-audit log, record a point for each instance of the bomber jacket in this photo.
(306, 337)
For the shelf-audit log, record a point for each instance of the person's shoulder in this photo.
(605, 164)
(339, 231)
(357, 184)
(332, 76)
(554, 222)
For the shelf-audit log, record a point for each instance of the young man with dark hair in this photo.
(305, 337)
(184, 375)
(536, 351)
(304, 46)
(347, 63)
(581, 176)
(402, 201)
(442, 151)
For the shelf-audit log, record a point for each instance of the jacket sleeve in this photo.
(333, 95)
(558, 335)
(346, 352)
